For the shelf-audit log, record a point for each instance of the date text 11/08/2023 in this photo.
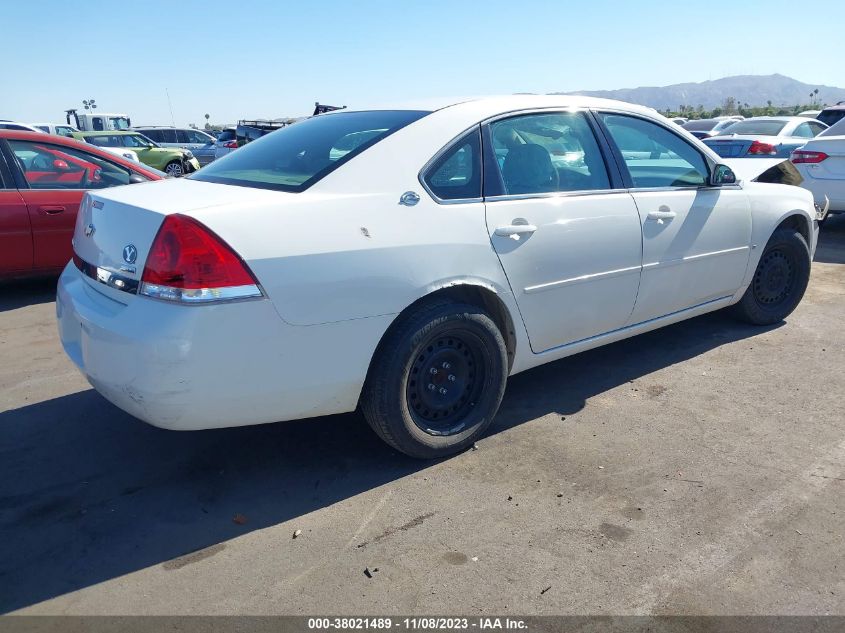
(417, 623)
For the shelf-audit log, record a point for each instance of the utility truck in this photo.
(97, 121)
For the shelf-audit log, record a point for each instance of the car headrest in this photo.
(529, 169)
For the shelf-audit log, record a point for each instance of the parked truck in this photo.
(97, 121)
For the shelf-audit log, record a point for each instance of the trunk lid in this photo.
(116, 228)
(730, 146)
(832, 167)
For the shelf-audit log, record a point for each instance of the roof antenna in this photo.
(170, 105)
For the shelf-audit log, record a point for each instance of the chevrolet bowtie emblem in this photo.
(130, 254)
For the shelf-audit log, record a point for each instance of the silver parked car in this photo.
(201, 144)
(227, 141)
(705, 128)
(764, 137)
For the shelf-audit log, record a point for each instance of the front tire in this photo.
(779, 282)
(174, 169)
(436, 380)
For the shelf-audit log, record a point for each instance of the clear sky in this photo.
(261, 58)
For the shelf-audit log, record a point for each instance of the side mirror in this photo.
(60, 165)
(723, 175)
(134, 179)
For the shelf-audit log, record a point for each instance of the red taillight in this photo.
(762, 148)
(231, 144)
(807, 156)
(189, 263)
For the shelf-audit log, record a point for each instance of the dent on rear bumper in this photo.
(197, 367)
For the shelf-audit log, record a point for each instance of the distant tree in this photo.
(729, 105)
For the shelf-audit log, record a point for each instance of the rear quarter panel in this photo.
(332, 257)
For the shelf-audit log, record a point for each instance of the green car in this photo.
(172, 161)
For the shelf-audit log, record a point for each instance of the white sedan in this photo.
(821, 162)
(410, 260)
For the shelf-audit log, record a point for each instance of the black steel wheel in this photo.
(445, 381)
(774, 278)
(779, 281)
(437, 379)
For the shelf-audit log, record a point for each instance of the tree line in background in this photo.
(731, 106)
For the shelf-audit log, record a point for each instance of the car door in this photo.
(143, 146)
(53, 179)
(696, 237)
(568, 240)
(201, 145)
(15, 230)
(169, 138)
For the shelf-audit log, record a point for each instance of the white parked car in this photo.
(127, 153)
(58, 129)
(411, 273)
(821, 163)
(21, 127)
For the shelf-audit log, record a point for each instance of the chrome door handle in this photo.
(661, 215)
(52, 210)
(515, 230)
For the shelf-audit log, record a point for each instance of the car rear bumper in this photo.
(197, 367)
(832, 190)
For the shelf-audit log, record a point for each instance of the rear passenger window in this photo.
(803, 131)
(655, 156)
(153, 135)
(544, 153)
(817, 128)
(456, 175)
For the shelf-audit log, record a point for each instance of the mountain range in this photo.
(755, 90)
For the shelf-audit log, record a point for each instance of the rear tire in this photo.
(437, 380)
(779, 282)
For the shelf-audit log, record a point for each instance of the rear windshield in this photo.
(226, 135)
(831, 116)
(702, 125)
(761, 128)
(299, 155)
(837, 129)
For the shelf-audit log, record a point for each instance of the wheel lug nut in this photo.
(451, 377)
(443, 391)
(432, 371)
(446, 366)
(431, 387)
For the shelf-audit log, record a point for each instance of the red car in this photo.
(42, 179)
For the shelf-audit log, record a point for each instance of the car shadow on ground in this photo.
(88, 493)
(831, 247)
(19, 294)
